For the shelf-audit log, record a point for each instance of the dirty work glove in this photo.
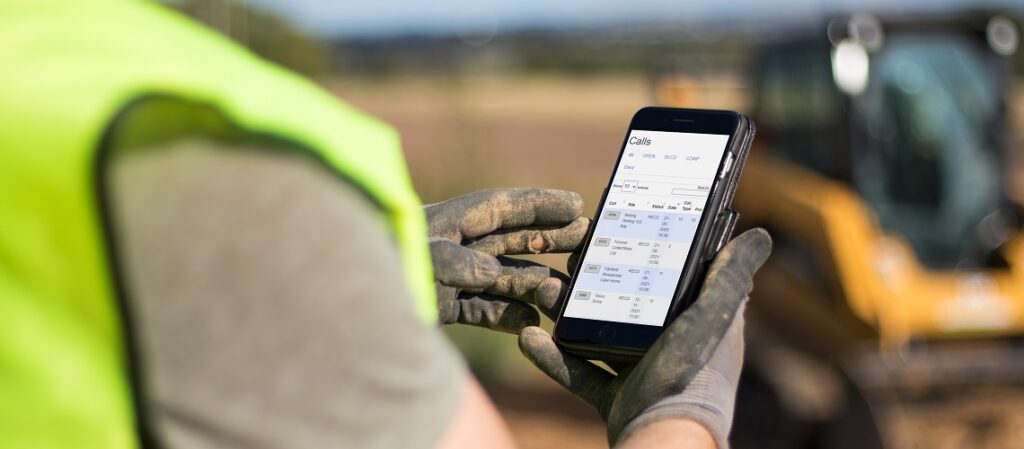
(470, 234)
(691, 372)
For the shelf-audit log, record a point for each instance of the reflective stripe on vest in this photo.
(66, 68)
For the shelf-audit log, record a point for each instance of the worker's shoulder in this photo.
(251, 264)
(252, 185)
(245, 167)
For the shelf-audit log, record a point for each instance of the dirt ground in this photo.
(461, 135)
(466, 134)
(991, 418)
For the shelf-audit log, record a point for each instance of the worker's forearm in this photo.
(670, 433)
(476, 421)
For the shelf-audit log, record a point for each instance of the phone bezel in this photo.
(612, 340)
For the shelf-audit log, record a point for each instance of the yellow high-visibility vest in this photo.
(73, 74)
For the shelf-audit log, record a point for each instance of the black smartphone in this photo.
(663, 217)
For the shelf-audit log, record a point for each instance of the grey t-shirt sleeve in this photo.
(269, 305)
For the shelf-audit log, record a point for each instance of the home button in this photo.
(606, 334)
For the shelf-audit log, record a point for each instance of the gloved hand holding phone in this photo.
(470, 234)
(691, 372)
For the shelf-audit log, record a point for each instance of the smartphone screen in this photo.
(663, 216)
(641, 241)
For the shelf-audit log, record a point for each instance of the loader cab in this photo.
(909, 114)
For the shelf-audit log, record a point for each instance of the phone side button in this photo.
(726, 223)
(606, 334)
(727, 165)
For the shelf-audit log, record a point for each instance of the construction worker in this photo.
(200, 249)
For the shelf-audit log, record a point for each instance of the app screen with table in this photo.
(645, 231)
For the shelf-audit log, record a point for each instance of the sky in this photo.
(397, 17)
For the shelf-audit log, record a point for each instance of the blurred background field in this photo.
(564, 131)
(505, 98)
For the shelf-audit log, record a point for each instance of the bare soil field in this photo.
(466, 134)
(988, 418)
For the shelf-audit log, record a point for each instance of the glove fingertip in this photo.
(756, 244)
(740, 259)
(463, 267)
(533, 340)
(576, 200)
(537, 344)
(488, 269)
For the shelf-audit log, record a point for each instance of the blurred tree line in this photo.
(263, 32)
